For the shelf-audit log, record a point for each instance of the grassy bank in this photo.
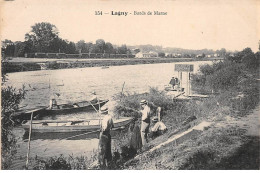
(219, 147)
(17, 66)
(226, 145)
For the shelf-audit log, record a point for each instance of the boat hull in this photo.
(64, 109)
(45, 126)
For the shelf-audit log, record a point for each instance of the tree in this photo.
(161, 54)
(6, 43)
(122, 49)
(248, 58)
(100, 46)
(9, 50)
(89, 47)
(19, 49)
(109, 47)
(71, 48)
(137, 51)
(10, 100)
(81, 46)
(41, 35)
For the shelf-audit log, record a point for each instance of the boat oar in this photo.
(93, 106)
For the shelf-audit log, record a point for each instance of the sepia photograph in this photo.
(130, 84)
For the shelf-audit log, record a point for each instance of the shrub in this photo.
(225, 78)
(10, 100)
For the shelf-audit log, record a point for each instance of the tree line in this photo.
(44, 38)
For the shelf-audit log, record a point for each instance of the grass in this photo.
(63, 163)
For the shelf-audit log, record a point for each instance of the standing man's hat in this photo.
(104, 110)
(143, 102)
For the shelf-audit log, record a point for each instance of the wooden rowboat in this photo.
(45, 126)
(61, 109)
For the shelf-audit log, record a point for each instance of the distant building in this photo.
(146, 55)
(216, 55)
(199, 56)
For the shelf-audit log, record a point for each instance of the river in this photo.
(73, 85)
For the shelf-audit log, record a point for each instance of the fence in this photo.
(77, 56)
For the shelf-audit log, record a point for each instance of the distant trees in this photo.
(41, 36)
(137, 51)
(109, 48)
(161, 54)
(246, 57)
(226, 74)
(222, 52)
(101, 47)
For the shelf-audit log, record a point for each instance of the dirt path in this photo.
(250, 123)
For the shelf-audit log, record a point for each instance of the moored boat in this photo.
(60, 109)
(45, 126)
(104, 67)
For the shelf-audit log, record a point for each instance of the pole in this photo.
(122, 90)
(181, 80)
(187, 84)
(99, 112)
(29, 140)
(178, 88)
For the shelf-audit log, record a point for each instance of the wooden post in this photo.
(122, 90)
(29, 140)
(187, 85)
(178, 87)
(99, 112)
(181, 80)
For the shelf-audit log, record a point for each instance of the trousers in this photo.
(144, 132)
(105, 148)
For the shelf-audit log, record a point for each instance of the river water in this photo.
(74, 85)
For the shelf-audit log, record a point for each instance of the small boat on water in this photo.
(171, 88)
(104, 67)
(45, 126)
(60, 109)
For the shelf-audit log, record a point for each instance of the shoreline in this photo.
(32, 64)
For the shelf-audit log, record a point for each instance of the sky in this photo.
(190, 24)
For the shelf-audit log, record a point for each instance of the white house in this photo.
(146, 55)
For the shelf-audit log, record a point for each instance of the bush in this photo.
(10, 100)
(155, 99)
(225, 78)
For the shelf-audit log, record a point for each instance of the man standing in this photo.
(105, 155)
(53, 104)
(146, 113)
(173, 82)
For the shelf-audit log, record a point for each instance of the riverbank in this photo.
(34, 64)
(229, 140)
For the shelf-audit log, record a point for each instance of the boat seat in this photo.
(75, 105)
(76, 122)
(45, 124)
